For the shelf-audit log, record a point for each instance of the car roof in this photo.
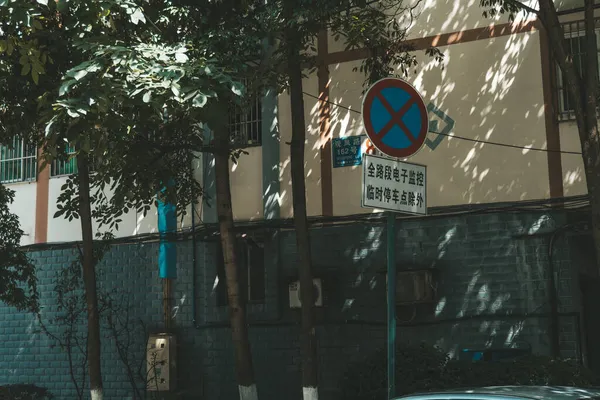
(510, 392)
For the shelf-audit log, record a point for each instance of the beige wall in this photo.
(312, 166)
(491, 88)
(246, 185)
(435, 17)
(493, 91)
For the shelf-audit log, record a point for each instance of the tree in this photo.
(18, 284)
(373, 26)
(237, 307)
(582, 85)
(129, 101)
(144, 76)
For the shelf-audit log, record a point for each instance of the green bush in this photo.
(24, 392)
(425, 368)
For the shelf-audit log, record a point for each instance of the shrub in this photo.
(418, 368)
(425, 368)
(24, 392)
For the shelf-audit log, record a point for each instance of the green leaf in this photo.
(147, 97)
(62, 5)
(200, 100)
(181, 57)
(43, 2)
(35, 76)
(79, 75)
(26, 69)
(237, 88)
(3, 3)
(176, 90)
(64, 88)
(138, 16)
(37, 67)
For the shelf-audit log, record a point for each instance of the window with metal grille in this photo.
(245, 122)
(66, 166)
(251, 272)
(18, 162)
(575, 36)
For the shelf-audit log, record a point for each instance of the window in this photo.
(18, 162)
(245, 122)
(251, 272)
(67, 166)
(575, 35)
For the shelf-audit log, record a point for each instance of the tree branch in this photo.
(523, 6)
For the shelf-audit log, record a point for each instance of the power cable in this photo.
(460, 137)
(208, 230)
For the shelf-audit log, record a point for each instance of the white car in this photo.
(510, 393)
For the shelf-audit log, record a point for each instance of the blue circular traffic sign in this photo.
(395, 117)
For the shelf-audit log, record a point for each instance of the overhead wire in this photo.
(513, 146)
(209, 231)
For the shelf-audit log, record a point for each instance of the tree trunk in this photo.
(591, 146)
(244, 370)
(308, 338)
(89, 278)
(584, 91)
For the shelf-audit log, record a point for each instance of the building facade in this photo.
(502, 146)
(497, 84)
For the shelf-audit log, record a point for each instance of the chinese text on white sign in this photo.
(394, 185)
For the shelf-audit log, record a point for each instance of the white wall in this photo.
(24, 207)
(62, 230)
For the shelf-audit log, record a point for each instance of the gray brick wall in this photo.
(485, 273)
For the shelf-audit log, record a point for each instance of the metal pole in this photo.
(391, 303)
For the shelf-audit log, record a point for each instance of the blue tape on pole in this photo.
(167, 260)
(167, 218)
(167, 251)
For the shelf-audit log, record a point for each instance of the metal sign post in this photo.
(396, 122)
(391, 303)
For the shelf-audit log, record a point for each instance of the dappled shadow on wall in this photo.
(492, 90)
(489, 287)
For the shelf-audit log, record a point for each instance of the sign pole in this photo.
(396, 121)
(391, 303)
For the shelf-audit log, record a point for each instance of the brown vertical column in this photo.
(551, 118)
(325, 126)
(41, 201)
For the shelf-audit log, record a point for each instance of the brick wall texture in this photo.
(487, 280)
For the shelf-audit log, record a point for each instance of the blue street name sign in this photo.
(347, 151)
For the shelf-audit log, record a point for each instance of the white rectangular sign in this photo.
(394, 185)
